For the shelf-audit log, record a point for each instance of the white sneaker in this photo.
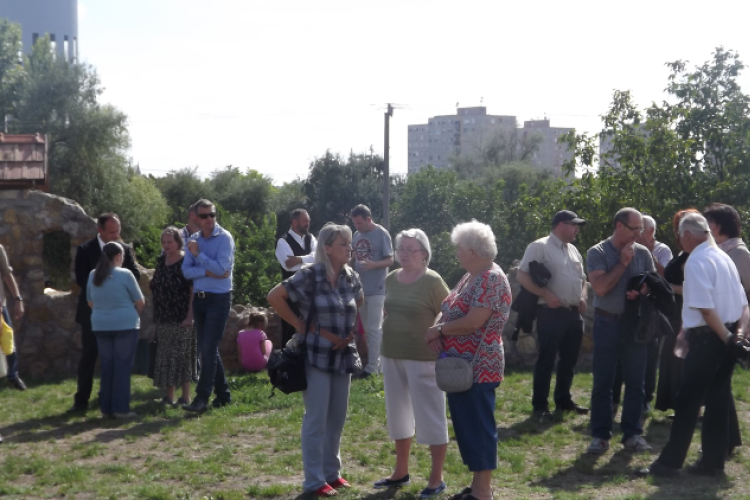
(598, 446)
(636, 443)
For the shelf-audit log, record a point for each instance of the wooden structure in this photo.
(23, 162)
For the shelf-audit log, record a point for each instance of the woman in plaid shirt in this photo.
(331, 292)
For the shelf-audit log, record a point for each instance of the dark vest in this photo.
(297, 250)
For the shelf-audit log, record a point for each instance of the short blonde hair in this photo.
(418, 235)
(475, 236)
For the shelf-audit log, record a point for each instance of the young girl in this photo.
(252, 344)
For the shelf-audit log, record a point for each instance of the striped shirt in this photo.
(335, 311)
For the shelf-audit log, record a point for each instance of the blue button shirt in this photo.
(216, 255)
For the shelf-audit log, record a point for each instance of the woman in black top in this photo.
(670, 366)
(173, 314)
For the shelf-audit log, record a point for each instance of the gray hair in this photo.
(327, 237)
(418, 235)
(694, 224)
(648, 222)
(475, 236)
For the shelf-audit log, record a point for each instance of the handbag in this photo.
(455, 374)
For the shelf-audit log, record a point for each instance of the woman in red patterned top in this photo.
(473, 317)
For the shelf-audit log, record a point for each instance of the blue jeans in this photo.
(473, 416)
(609, 346)
(117, 353)
(12, 359)
(210, 315)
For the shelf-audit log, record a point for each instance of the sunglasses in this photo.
(206, 216)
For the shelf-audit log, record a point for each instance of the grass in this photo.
(251, 449)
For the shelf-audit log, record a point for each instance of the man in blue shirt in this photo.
(208, 263)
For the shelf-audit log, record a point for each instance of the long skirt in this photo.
(175, 355)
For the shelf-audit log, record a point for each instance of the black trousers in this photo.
(288, 330)
(559, 333)
(86, 366)
(707, 377)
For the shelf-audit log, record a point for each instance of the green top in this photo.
(409, 311)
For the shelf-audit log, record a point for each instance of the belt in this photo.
(202, 295)
(692, 333)
(570, 308)
(330, 337)
(607, 314)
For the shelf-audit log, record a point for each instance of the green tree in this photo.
(11, 72)
(180, 189)
(248, 194)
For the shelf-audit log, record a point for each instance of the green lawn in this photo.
(251, 449)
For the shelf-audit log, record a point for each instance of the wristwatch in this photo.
(19, 298)
(440, 329)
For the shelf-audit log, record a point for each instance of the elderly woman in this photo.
(116, 302)
(726, 227)
(329, 293)
(175, 363)
(413, 401)
(473, 317)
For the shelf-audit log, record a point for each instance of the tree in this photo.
(11, 71)
(181, 188)
(248, 194)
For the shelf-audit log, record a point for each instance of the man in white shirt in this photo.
(293, 249)
(714, 316)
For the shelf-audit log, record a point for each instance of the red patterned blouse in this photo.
(492, 291)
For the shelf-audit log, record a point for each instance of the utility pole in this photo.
(386, 172)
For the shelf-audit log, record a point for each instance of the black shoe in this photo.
(18, 384)
(220, 403)
(541, 415)
(658, 470)
(463, 493)
(698, 469)
(1, 439)
(391, 483)
(77, 408)
(197, 406)
(572, 407)
(361, 375)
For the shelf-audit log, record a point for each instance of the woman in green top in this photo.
(413, 401)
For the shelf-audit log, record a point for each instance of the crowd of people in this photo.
(682, 316)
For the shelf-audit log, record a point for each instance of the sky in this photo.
(271, 85)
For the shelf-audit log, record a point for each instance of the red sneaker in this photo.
(326, 491)
(340, 483)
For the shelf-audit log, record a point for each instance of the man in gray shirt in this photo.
(372, 254)
(610, 264)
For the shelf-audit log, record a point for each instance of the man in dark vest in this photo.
(87, 256)
(293, 249)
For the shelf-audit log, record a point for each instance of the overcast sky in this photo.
(270, 85)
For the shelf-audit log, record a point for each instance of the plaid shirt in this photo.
(335, 310)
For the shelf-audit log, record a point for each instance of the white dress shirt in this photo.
(711, 282)
(284, 251)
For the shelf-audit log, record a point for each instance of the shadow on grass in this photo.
(59, 426)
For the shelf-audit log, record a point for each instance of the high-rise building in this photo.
(471, 130)
(57, 18)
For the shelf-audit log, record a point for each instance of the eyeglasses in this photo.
(206, 216)
(406, 250)
(638, 230)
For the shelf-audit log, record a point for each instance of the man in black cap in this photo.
(559, 309)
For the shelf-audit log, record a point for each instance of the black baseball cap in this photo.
(567, 216)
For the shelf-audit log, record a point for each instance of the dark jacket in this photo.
(87, 256)
(646, 317)
(525, 302)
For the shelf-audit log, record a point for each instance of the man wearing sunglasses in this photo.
(610, 265)
(208, 263)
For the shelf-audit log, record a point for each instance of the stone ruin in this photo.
(49, 340)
